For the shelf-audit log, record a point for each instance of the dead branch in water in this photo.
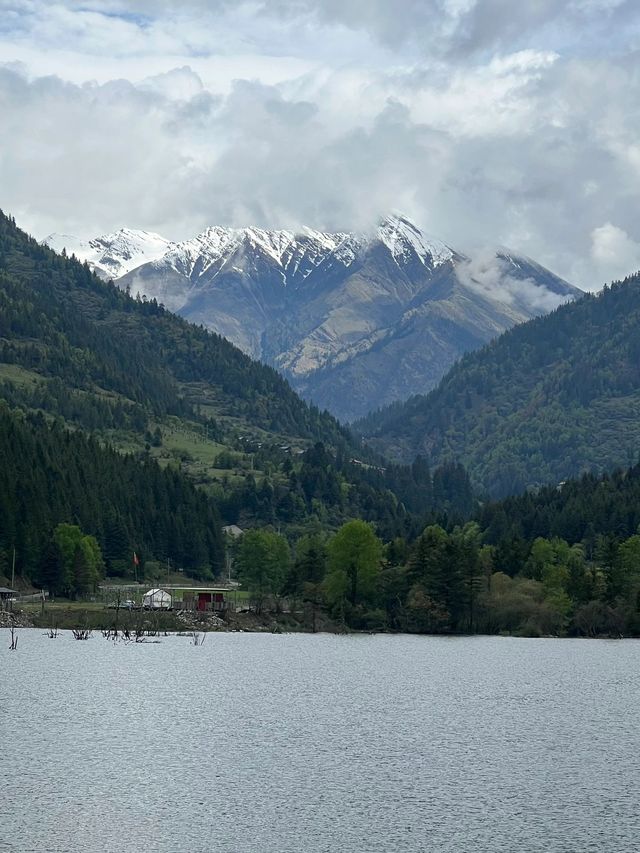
(81, 633)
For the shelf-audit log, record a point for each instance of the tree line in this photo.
(446, 581)
(324, 488)
(560, 560)
(564, 560)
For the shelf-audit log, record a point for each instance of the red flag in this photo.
(136, 561)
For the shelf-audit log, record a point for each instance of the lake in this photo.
(278, 743)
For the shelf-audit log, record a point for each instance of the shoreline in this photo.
(171, 623)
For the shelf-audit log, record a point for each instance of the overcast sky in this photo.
(487, 121)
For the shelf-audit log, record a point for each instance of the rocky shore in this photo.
(15, 619)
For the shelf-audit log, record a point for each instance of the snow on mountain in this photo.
(354, 320)
(285, 249)
(112, 255)
(71, 245)
(401, 236)
(296, 254)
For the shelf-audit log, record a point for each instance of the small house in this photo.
(205, 599)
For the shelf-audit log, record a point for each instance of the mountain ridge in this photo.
(329, 310)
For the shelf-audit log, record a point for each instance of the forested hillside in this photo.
(143, 382)
(548, 400)
(578, 510)
(60, 320)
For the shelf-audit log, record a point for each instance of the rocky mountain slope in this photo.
(354, 321)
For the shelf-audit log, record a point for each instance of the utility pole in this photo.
(13, 567)
(228, 561)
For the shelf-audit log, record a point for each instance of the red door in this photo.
(204, 598)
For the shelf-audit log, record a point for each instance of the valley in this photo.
(139, 433)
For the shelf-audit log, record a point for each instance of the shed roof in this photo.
(202, 589)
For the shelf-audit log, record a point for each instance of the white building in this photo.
(157, 599)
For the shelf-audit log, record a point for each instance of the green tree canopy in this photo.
(262, 562)
(80, 566)
(355, 553)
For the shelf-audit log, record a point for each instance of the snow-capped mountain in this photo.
(112, 255)
(355, 321)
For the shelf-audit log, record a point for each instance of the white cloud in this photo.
(614, 252)
(488, 121)
(490, 276)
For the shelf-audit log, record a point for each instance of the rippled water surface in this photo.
(319, 743)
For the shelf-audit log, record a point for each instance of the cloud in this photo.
(488, 122)
(453, 31)
(466, 28)
(614, 252)
(78, 158)
(489, 275)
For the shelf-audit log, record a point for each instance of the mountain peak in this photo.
(403, 237)
(397, 218)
